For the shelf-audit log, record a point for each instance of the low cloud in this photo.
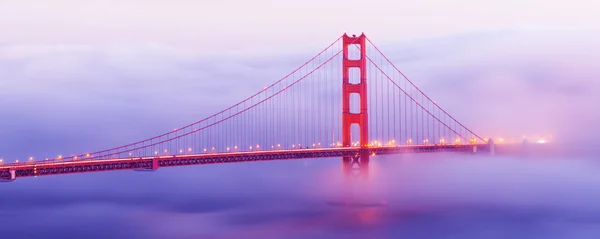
(56, 98)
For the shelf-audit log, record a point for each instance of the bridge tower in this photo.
(360, 161)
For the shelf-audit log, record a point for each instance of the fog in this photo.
(436, 195)
(55, 99)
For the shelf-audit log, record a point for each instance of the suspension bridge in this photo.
(321, 109)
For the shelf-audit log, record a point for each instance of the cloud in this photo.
(58, 98)
(515, 82)
(270, 200)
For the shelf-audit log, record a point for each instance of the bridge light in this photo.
(314, 145)
(205, 150)
(189, 149)
(293, 146)
(257, 146)
(75, 157)
(250, 147)
(155, 152)
(16, 161)
(278, 145)
(30, 158)
(541, 141)
(235, 147)
(228, 149)
(181, 151)
(1, 160)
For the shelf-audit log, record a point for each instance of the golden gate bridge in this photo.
(321, 109)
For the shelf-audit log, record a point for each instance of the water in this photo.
(426, 196)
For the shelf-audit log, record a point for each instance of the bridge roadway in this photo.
(9, 172)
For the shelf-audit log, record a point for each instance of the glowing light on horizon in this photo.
(542, 141)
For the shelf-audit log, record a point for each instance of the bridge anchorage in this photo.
(376, 110)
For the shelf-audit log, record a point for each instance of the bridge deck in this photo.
(43, 168)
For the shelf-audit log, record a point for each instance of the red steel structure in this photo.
(360, 88)
(299, 116)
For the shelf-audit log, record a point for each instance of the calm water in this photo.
(427, 196)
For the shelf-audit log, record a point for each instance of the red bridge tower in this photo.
(360, 161)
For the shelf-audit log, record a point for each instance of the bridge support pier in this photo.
(356, 166)
(154, 164)
(491, 146)
(12, 174)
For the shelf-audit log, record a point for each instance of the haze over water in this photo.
(427, 196)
